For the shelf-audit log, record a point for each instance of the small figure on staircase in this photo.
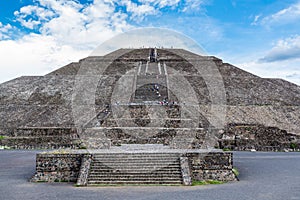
(153, 55)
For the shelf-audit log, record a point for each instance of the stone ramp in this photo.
(135, 168)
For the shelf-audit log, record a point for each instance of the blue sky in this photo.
(260, 36)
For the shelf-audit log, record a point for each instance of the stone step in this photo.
(141, 158)
(148, 128)
(145, 134)
(166, 119)
(121, 160)
(134, 158)
(135, 168)
(135, 173)
(134, 163)
(141, 172)
(134, 122)
(131, 170)
(148, 182)
(144, 158)
(137, 178)
(140, 155)
(117, 179)
(137, 155)
(125, 176)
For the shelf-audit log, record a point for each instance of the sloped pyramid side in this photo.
(45, 101)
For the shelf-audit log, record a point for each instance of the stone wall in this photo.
(155, 135)
(57, 167)
(41, 138)
(84, 170)
(67, 167)
(211, 166)
(241, 137)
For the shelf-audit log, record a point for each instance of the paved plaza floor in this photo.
(274, 176)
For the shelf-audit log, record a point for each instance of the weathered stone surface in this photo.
(212, 166)
(211, 161)
(84, 170)
(57, 167)
(220, 175)
(114, 166)
(251, 136)
(185, 171)
(95, 139)
(45, 102)
(41, 138)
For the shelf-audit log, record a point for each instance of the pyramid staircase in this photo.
(145, 120)
(135, 168)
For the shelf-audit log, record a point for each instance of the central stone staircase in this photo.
(135, 168)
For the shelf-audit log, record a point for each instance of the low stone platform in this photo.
(134, 164)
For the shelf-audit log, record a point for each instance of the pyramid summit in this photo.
(150, 96)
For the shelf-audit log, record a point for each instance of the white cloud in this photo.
(142, 10)
(284, 16)
(78, 25)
(149, 7)
(5, 31)
(287, 70)
(256, 19)
(285, 49)
(160, 3)
(149, 37)
(138, 12)
(34, 55)
(186, 4)
(282, 61)
(40, 13)
(66, 30)
(164, 3)
(193, 4)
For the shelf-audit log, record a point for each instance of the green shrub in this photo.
(248, 128)
(82, 147)
(207, 182)
(293, 146)
(2, 137)
(226, 149)
(235, 171)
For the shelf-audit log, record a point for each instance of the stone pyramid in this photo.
(146, 96)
